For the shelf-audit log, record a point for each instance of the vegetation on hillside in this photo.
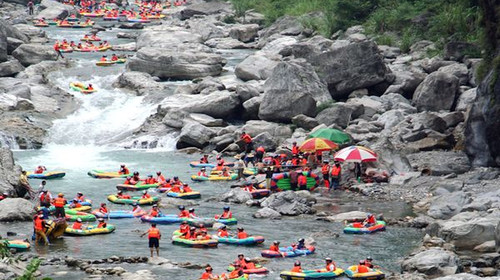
(392, 22)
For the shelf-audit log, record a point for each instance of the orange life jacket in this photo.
(246, 138)
(223, 233)
(77, 225)
(187, 189)
(184, 228)
(103, 210)
(242, 235)
(297, 269)
(302, 180)
(363, 269)
(206, 275)
(146, 196)
(59, 202)
(226, 215)
(153, 233)
(250, 265)
(153, 213)
(39, 224)
(261, 149)
(202, 174)
(330, 267)
(295, 150)
(274, 248)
(175, 188)
(336, 171)
(184, 214)
(101, 225)
(325, 169)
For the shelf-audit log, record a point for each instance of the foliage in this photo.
(31, 269)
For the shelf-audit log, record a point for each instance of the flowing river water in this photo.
(87, 140)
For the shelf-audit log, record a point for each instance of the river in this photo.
(90, 139)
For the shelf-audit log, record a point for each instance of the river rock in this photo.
(434, 262)
(208, 85)
(166, 37)
(16, 209)
(457, 50)
(290, 203)
(431, 162)
(194, 135)
(305, 122)
(486, 247)
(167, 64)
(275, 129)
(284, 26)
(10, 68)
(206, 120)
(204, 8)
(9, 172)
(299, 86)
(131, 25)
(138, 82)
(244, 32)
(29, 54)
(30, 30)
(437, 86)
(447, 205)
(128, 47)
(458, 70)
(266, 140)
(255, 67)
(465, 276)
(484, 201)
(218, 104)
(52, 9)
(338, 114)
(236, 195)
(353, 216)
(466, 99)
(226, 44)
(251, 107)
(266, 213)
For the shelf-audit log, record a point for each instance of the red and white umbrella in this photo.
(355, 154)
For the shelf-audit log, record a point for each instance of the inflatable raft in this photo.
(118, 214)
(46, 175)
(188, 195)
(260, 193)
(288, 252)
(197, 164)
(138, 20)
(91, 230)
(375, 274)
(232, 177)
(134, 199)
(358, 228)
(311, 274)
(81, 88)
(41, 24)
(138, 187)
(250, 171)
(281, 181)
(18, 245)
(251, 240)
(72, 216)
(106, 175)
(211, 243)
(257, 270)
(104, 63)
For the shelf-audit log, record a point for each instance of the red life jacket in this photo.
(226, 215)
(325, 169)
(242, 235)
(336, 171)
(302, 180)
(39, 224)
(153, 233)
(295, 150)
(59, 202)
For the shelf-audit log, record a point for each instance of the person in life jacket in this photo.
(369, 262)
(204, 159)
(362, 268)
(202, 173)
(336, 175)
(203, 236)
(220, 160)
(176, 188)
(208, 274)
(85, 37)
(237, 272)
(302, 181)
(79, 197)
(103, 209)
(240, 260)
(247, 140)
(219, 167)
(295, 149)
(275, 246)
(136, 209)
(241, 233)
(39, 226)
(259, 154)
(184, 227)
(59, 203)
(145, 195)
(75, 204)
(90, 87)
(128, 180)
(154, 212)
(154, 237)
(191, 213)
(176, 181)
(225, 172)
(114, 57)
(160, 178)
(45, 198)
(120, 195)
(78, 224)
(186, 188)
(40, 169)
(222, 232)
(370, 220)
(276, 161)
(103, 58)
(123, 170)
(249, 264)
(301, 245)
(226, 213)
(183, 212)
(135, 178)
(329, 265)
(325, 170)
(101, 223)
(248, 186)
(296, 267)
(150, 180)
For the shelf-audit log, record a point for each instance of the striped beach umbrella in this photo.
(317, 145)
(355, 154)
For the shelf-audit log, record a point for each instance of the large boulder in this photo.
(437, 86)
(3, 43)
(458, 70)
(255, 67)
(434, 262)
(205, 8)
(447, 205)
(244, 32)
(292, 89)
(338, 114)
(466, 99)
(167, 64)
(236, 195)
(138, 82)
(29, 54)
(290, 203)
(284, 26)
(10, 68)
(30, 30)
(194, 135)
(9, 172)
(353, 216)
(167, 38)
(275, 129)
(54, 9)
(16, 209)
(432, 162)
(251, 107)
(266, 213)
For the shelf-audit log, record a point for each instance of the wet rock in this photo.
(128, 47)
(10, 68)
(255, 67)
(236, 195)
(131, 25)
(251, 107)
(437, 86)
(448, 205)
(158, 261)
(290, 203)
(244, 32)
(16, 209)
(139, 82)
(353, 216)
(486, 247)
(266, 213)
(194, 135)
(338, 114)
(29, 54)
(434, 262)
(206, 120)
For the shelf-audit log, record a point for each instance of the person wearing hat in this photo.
(202, 172)
(370, 220)
(295, 148)
(362, 268)
(325, 170)
(296, 267)
(104, 58)
(39, 225)
(368, 262)
(79, 196)
(226, 214)
(184, 227)
(247, 141)
(145, 195)
(45, 198)
(59, 203)
(222, 231)
(74, 204)
(123, 170)
(329, 266)
(101, 223)
(249, 264)
(154, 236)
(259, 153)
(150, 180)
(336, 174)
(241, 233)
(203, 235)
(78, 224)
(103, 209)
(160, 179)
(208, 273)
(120, 195)
(186, 188)
(240, 260)
(184, 213)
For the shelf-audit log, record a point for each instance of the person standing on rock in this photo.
(57, 49)
(336, 173)
(30, 7)
(247, 140)
(154, 236)
(325, 170)
(26, 187)
(239, 165)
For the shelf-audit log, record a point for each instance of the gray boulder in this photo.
(437, 86)
(138, 82)
(266, 140)
(255, 67)
(236, 195)
(16, 209)
(204, 8)
(30, 30)
(285, 26)
(292, 89)
(447, 205)
(338, 114)
(53, 9)
(167, 38)
(466, 99)
(466, 234)
(244, 32)
(275, 129)
(206, 120)
(458, 70)
(208, 85)
(194, 135)
(432, 162)
(246, 91)
(465, 276)
(266, 213)
(10, 68)
(251, 107)
(290, 203)
(434, 262)
(9, 172)
(305, 122)
(29, 54)
(353, 216)
(167, 64)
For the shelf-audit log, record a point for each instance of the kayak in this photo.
(358, 228)
(257, 270)
(90, 230)
(134, 199)
(83, 50)
(188, 195)
(66, 50)
(196, 222)
(46, 175)
(90, 39)
(81, 88)
(74, 215)
(232, 177)
(110, 18)
(197, 164)
(231, 221)
(311, 274)
(374, 274)
(103, 49)
(281, 181)
(260, 193)
(106, 175)
(87, 202)
(118, 214)
(64, 25)
(125, 187)
(81, 25)
(211, 243)
(84, 208)
(104, 63)
(18, 245)
(155, 16)
(251, 240)
(288, 252)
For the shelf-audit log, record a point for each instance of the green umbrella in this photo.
(331, 134)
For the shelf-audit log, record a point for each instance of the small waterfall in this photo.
(8, 141)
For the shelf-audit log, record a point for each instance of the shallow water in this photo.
(84, 141)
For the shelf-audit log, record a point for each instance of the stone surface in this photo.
(244, 32)
(10, 68)
(255, 67)
(9, 172)
(194, 135)
(434, 262)
(16, 209)
(338, 114)
(138, 82)
(305, 122)
(437, 86)
(29, 54)
(236, 195)
(266, 213)
(290, 203)
(353, 216)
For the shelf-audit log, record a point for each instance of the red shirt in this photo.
(242, 235)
